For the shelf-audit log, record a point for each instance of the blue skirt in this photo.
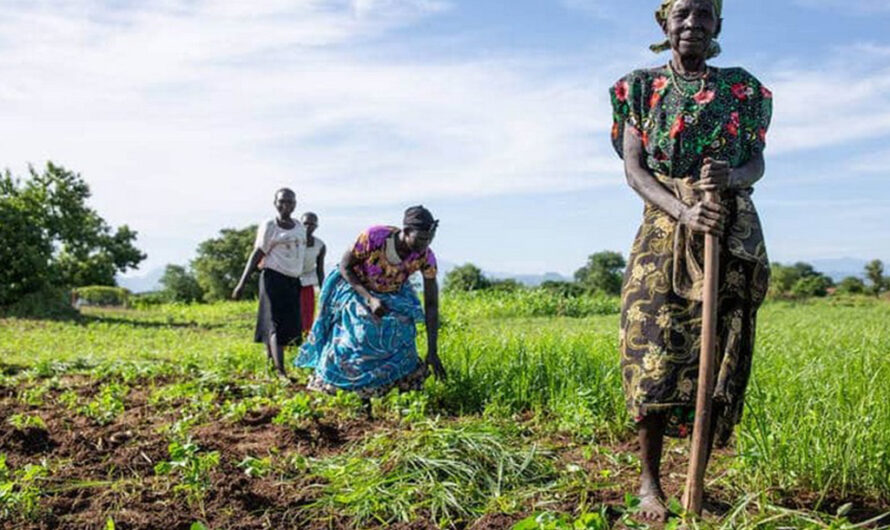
(351, 349)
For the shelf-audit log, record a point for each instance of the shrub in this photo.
(101, 295)
(810, 286)
(851, 285)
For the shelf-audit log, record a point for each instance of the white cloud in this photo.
(845, 100)
(855, 6)
(183, 110)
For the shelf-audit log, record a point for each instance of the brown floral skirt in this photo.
(660, 333)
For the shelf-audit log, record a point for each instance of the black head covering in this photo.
(419, 218)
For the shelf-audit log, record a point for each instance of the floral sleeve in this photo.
(430, 268)
(627, 107)
(758, 111)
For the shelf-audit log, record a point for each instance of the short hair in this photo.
(281, 191)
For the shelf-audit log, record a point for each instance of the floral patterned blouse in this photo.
(724, 116)
(377, 268)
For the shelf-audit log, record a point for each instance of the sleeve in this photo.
(430, 268)
(627, 96)
(263, 237)
(758, 112)
(361, 249)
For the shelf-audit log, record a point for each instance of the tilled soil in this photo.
(106, 471)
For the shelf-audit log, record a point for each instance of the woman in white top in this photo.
(279, 251)
(313, 270)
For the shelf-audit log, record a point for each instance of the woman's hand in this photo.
(433, 361)
(705, 217)
(714, 176)
(376, 306)
(236, 293)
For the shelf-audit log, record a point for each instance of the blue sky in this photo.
(185, 116)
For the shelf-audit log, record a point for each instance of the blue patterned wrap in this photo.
(351, 349)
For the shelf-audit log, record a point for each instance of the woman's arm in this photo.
(319, 265)
(701, 217)
(251, 266)
(431, 308)
(346, 264)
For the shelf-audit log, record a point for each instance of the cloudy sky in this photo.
(185, 115)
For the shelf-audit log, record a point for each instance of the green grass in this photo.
(817, 417)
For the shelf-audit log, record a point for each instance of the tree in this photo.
(788, 280)
(179, 285)
(851, 285)
(603, 272)
(809, 286)
(467, 277)
(52, 239)
(874, 271)
(221, 260)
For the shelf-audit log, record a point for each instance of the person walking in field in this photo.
(364, 338)
(683, 129)
(313, 270)
(279, 252)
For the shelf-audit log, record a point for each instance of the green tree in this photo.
(788, 280)
(467, 277)
(603, 272)
(179, 285)
(220, 262)
(52, 239)
(874, 271)
(851, 285)
(809, 286)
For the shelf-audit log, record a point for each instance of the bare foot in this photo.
(652, 507)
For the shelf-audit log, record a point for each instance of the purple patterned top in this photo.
(376, 272)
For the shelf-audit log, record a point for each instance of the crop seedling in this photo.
(191, 466)
(107, 405)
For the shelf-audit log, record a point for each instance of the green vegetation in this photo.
(51, 239)
(103, 295)
(529, 426)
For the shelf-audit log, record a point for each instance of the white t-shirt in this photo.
(284, 249)
(310, 261)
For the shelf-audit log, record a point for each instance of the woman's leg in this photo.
(651, 436)
(276, 352)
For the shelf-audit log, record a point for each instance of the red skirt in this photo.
(307, 307)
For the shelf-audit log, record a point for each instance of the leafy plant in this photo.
(191, 466)
(24, 422)
(296, 410)
(107, 405)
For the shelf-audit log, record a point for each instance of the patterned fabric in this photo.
(724, 117)
(378, 272)
(351, 349)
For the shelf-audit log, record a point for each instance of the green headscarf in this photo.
(661, 15)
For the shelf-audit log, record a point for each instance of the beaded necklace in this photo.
(701, 78)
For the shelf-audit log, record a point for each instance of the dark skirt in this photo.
(279, 309)
(661, 331)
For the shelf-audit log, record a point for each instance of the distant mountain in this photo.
(839, 268)
(531, 280)
(149, 281)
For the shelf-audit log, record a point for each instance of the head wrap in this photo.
(661, 15)
(419, 218)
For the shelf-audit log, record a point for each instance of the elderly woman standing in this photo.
(683, 129)
(364, 339)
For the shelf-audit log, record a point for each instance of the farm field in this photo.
(167, 417)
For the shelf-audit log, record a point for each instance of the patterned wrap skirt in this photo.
(351, 349)
(660, 333)
(279, 309)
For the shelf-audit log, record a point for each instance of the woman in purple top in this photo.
(364, 339)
